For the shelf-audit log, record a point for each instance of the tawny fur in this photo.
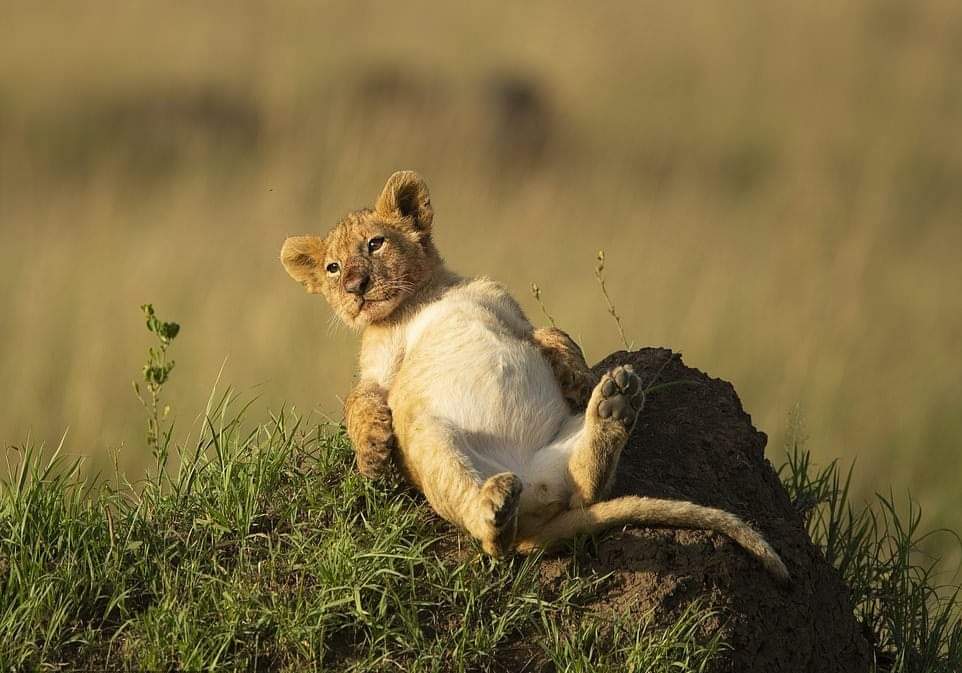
(568, 364)
(481, 410)
(368, 419)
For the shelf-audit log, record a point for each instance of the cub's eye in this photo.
(333, 268)
(375, 244)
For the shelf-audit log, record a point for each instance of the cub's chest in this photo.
(381, 356)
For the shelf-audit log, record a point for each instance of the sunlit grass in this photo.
(907, 600)
(262, 547)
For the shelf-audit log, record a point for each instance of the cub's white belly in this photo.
(493, 391)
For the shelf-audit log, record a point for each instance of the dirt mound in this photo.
(694, 441)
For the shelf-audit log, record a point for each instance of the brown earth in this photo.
(693, 441)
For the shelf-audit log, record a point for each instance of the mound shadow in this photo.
(694, 441)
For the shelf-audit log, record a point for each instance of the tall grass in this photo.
(263, 548)
(777, 186)
(907, 601)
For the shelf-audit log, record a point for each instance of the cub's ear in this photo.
(406, 196)
(302, 256)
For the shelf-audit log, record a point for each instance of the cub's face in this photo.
(373, 260)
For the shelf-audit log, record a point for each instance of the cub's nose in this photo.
(356, 282)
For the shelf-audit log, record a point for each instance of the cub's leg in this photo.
(437, 458)
(572, 373)
(500, 502)
(368, 419)
(611, 414)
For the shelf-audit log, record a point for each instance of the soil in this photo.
(693, 441)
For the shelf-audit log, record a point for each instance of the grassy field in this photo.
(276, 555)
(777, 186)
(265, 550)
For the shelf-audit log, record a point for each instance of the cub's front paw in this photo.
(568, 365)
(375, 443)
(576, 387)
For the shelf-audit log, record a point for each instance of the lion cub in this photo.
(479, 404)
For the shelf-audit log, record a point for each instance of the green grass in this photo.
(902, 597)
(263, 548)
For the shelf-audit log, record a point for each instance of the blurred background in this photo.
(777, 185)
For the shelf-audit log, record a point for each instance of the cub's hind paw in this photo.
(611, 414)
(500, 498)
(619, 396)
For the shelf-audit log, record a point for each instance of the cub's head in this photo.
(372, 260)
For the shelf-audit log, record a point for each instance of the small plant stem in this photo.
(536, 291)
(600, 276)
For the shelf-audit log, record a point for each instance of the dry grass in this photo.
(777, 186)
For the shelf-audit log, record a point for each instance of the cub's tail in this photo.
(653, 511)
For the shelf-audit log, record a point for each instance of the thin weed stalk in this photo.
(600, 277)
